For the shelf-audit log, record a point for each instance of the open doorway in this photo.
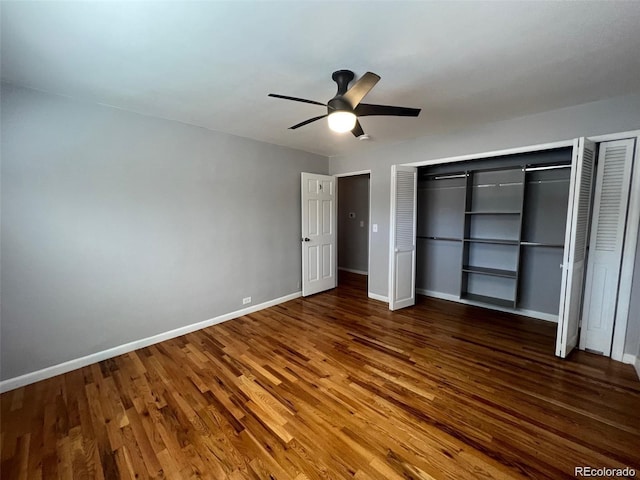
(353, 229)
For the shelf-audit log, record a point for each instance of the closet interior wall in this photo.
(491, 231)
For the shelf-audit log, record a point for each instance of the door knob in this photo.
(306, 239)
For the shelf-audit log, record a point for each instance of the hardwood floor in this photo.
(333, 386)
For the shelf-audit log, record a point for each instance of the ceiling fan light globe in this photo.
(341, 122)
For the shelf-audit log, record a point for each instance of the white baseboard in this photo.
(440, 295)
(549, 317)
(629, 358)
(32, 377)
(375, 296)
(632, 360)
(359, 272)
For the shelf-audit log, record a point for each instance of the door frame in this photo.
(369, 227)
(630, 238)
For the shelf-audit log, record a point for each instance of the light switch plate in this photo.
(375, 228)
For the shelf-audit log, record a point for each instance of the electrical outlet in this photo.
(298, 285)
(246, 300)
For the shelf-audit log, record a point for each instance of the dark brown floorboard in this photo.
(333, 386)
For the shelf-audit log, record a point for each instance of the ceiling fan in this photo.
(344, 108)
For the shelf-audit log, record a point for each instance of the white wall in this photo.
(596, 118)
(117, 226)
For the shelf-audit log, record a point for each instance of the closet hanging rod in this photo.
(444, 177)
(546, 167)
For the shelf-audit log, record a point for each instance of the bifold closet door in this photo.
(402, 255)
(613, 180)
(575, 246)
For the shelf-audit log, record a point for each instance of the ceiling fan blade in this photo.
(306, 122)
(367, 109)
(295, 99)
(359, 89)
(357, 130)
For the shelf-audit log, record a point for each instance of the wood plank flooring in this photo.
(332, 386)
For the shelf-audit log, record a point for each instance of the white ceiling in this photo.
(212, 64)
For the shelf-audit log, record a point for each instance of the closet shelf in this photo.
(502, 302)
(497, 241)
(448, 239)
(495, 272)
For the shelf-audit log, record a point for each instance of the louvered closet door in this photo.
(575, 246)
(402, 284)
(613, 181)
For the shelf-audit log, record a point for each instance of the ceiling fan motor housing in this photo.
(339, 104)
(342, 78)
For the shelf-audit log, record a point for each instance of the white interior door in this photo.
(613, 180)
(318, 233)
(575, 246)
(402, 255)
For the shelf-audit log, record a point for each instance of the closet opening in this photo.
(353, 229)
(487, 230)
(491, 232)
